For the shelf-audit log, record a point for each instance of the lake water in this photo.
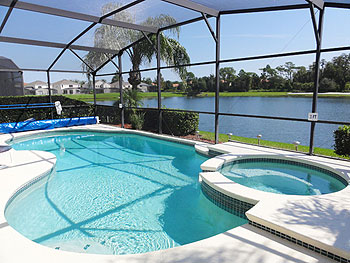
(337, 109)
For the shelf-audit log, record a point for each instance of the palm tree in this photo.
(171, 52)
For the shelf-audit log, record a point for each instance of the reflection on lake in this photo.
(337, 109)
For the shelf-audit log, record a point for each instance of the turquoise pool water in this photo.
(116, 194)
(282, 178)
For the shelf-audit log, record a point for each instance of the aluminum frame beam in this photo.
(40, 43)
(337, 5)
(90, 27)
(314, 23)
(209, 27)
(82, 60)
(42, 70)
(9, 11)
(94, 89)
(194, 6)
(149, 41)
(159, 84)
(76, 15)
(217, 77)
(111, 60)
(121, 89)
(318, 3)
(318, 31)
(120, 51)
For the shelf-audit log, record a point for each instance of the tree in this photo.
(338, 70)
(227, 76)
(243, 82)
(210, 83)
(167, 85)
(131, 98)
(255, 81)
(171, 52)
(115, 78)
(189, 77)
(302, 75)
(268, 72)
(147, 81)
(287, 70)
(327, 85)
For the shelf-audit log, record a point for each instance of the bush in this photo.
(180, 123)
(176, 123)
(108, 114)
(79, 109)
(137, 119)
(342, 141)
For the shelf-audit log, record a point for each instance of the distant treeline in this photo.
(335, 76)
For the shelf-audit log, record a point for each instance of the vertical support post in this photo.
(317, 75)
(49, 87)
(160, 119)
(94, 90)
(121, 89)
(217, 79)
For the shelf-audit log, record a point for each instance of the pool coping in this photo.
(37, 164)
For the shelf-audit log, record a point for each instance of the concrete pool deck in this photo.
(320, 222)
(242, 244)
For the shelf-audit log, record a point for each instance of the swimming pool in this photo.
(283, 176)
(116, 193)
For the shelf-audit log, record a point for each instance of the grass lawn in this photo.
(278, 145)
(115, 96)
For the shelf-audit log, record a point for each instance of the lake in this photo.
(336, 109)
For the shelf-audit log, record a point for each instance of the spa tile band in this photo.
(231, 205)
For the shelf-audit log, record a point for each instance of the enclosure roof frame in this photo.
(203, 13)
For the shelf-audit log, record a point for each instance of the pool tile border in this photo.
(300, 243)
(26, 185)
(228, 203)
(239, 208)
(292, 162)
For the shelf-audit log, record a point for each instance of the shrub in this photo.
(108, 114)
(78, 109)
(178, 123)
(137, 119)
(342, 141)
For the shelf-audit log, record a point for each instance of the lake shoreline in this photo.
(145, 95)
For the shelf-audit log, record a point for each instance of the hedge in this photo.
(342, 140)
(78, 109)
(176, 123)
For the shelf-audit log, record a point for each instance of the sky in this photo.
(241, 35)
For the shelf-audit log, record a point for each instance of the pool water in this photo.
(282, 178)
(116, 193)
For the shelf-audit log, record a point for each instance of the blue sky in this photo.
(242, 35)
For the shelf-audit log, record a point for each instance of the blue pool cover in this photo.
(31, 125)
